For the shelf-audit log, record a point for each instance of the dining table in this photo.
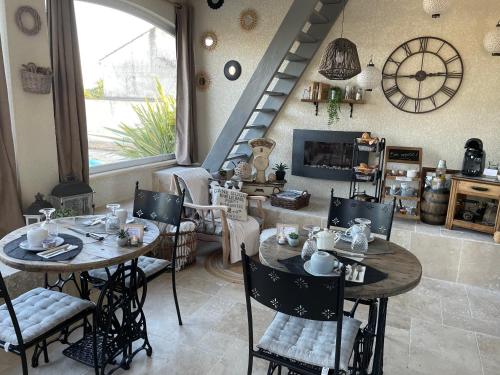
(120, 318)
(396, 271)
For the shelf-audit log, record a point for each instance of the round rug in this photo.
(214, 266)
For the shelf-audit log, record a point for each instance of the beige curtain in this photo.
(186, 147)
(11, 216)
(69, 100)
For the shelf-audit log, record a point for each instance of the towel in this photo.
(246, 232)
(195, 181)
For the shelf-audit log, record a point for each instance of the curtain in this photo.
(11, 216)
(69, 100)
(186, 146)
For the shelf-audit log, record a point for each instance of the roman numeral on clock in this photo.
(390, 59)
(455, 75)
(451, 59)
(418, 103)
(407, 49)
(433, 101)
(402, 102)
(424, 42)
(389, 76)
(448, 91)
(391, 91)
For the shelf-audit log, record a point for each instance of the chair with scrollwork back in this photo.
(343, 211)
(309, 332)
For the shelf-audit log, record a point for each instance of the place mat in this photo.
(13, 250)
(296, 265)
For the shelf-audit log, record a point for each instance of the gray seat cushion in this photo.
(38, 311)
(148, 265)
(310, 341)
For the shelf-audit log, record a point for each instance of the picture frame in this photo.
(286, 228)
(136, 230)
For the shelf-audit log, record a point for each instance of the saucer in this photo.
(26, 246)
(307, 267)
(346, 238)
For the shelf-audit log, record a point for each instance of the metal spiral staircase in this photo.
(299, 36)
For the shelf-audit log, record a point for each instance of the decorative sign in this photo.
(403, 154)
(235, 200)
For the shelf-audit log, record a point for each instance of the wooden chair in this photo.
(33, 317)
(163, 208)
(309, 332)
(213, 222)
(343, 211)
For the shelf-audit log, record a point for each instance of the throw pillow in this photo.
(235, 200)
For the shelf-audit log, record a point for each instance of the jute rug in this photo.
(232, 274)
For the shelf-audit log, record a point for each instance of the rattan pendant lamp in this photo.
(340, 60)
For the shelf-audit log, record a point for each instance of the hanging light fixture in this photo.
(436, 7)
(340, 60)
(370, 77)
(492, 41)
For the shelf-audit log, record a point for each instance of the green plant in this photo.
(334, 105)
(293, 236)
(154, 134)
(280, 167)
(122, 233)
(96, 92)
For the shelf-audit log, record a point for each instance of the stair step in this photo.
(274, 93)
(242, 141)
(265, 110)
(256, 126)
(306, 38)
(318, 18)
(294, 57)
(236, 156)
(281, 75)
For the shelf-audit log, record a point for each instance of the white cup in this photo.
(36, 236)
(122, 215)
(322, 262)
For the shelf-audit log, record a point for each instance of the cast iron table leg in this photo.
(378, 358)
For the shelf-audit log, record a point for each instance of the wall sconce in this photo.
(492, 41)
(436, 7)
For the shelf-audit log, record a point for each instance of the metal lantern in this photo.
(492, 41)
(436, 7)
(370, 77)
(73, 195)
(340, 60)
(32, 213)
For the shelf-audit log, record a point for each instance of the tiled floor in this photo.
(438, 328)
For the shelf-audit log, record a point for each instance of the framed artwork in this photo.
(285, 229)
(136, 230)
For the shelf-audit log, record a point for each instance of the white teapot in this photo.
(326, 239)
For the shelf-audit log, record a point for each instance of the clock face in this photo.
(422, 75)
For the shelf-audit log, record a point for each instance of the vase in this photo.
(280, 175)
(292, 241)
(122, 241)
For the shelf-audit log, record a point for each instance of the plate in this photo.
(346, 238)
(25, 245)
(307, 267)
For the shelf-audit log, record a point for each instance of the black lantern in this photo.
(340, 60)
(73, 195)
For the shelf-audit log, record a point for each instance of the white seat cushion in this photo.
(310, 341)
(38, 311)
(148, 265)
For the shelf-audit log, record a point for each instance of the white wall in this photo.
(377, 27)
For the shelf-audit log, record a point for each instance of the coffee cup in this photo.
(322, 262)
(122, 215)
(36, 236)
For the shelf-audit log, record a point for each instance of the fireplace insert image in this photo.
(328, 155)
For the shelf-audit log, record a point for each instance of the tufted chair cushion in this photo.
(149, 266)
(38, 311)
(310, 341)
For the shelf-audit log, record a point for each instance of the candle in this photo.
(134, 241)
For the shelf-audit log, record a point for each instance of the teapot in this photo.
(326, 239)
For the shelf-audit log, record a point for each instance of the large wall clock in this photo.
(422, 75)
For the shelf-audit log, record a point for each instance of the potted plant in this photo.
(122, 238)
(334, 105)
(280, 171)
(293, 239)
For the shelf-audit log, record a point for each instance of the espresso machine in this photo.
(474, 158)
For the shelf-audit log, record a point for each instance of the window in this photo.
(129, 74)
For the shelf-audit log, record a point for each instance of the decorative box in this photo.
(266, 189)
(291, 199)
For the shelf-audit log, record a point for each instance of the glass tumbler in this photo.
(359, 243)
(112, 221)
(49, 225)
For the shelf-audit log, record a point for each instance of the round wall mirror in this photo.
(232, 70)
(215, 4)
(209, 40)
(248, 19)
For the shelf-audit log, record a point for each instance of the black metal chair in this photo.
(309, 331)
(33, 317)
(164, 209)
(343, 211)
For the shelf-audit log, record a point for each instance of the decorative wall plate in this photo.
(215, 4)
(248, 19)
(232, 70)
(209, 40)
(422, 75)
(203, 81)
(33, 26)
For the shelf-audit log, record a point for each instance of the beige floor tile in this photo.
(439, 256)
(479, 265)
(489, 349)
(414, 304)
(401, 237)
(442, 350)
(484, 303)
(397, 349)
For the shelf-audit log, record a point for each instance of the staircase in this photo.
(299, 36)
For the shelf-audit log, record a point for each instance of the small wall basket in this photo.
(35, 79)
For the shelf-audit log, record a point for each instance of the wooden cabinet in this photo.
(475, 187)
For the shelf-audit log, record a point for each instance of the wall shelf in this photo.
(316, 102)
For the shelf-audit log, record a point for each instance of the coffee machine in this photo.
(474, 158)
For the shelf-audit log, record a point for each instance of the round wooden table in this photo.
(403, 270)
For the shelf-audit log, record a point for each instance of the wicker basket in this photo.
(35, 79)
(291, 204)
(186, 247)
